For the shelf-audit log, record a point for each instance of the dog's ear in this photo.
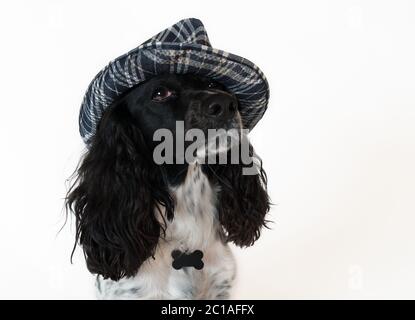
(243, 201)
(115, 197)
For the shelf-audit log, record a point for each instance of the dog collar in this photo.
(182, 259)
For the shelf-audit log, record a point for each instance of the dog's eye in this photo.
(212, 85)
(161, 94)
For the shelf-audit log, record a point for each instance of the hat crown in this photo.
(185, 31)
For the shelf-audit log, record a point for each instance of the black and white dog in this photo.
(160, 231)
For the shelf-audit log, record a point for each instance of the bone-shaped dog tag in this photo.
(182, 259)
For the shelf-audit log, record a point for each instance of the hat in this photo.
(184, 48)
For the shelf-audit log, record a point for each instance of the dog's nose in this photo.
(219, 104)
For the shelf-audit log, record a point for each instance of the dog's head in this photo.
(187, 103)
(119, 184)
(198, 101)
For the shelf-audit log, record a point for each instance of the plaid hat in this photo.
(184, 48)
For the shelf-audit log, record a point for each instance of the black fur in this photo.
(243, 201)
(114, 198)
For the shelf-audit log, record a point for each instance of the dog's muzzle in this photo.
(212, 109)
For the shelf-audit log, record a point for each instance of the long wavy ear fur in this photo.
(114, 198)
(243, 201)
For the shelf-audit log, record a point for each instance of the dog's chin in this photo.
(217, 141)
(220, 143)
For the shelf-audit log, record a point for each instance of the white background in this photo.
(338, 139)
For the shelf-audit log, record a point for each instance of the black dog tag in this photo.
(182, 259)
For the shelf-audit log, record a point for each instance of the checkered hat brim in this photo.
(184, 48)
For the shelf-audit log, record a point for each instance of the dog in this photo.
(135, 218)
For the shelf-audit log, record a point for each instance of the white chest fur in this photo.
(195, 227)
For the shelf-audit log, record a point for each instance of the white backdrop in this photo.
(338, 139)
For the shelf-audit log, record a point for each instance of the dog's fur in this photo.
(131, 213)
